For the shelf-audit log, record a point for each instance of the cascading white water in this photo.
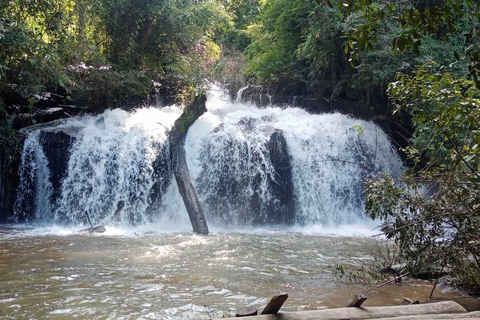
(117, 160)
(330, 156)
(35, 188)
(118, 168)
(251, 166)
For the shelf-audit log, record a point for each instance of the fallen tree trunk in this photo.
(430, 309)
(179, 163)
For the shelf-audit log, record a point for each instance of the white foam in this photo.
(329, 160)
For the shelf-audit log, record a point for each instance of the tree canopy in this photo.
(74, 44)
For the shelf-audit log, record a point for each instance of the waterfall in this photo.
(35, 189)
(329, 156)
(250, 166)
(116, 172)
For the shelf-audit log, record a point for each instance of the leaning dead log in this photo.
(179, 163)
(415, 310)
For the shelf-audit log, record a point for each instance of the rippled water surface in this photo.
(58, 274)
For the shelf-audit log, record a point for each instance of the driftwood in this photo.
(410, 301)
(272, 307)
(97, 229)
(275, 304)
(179, 162)
(440, 310)
(357, 301)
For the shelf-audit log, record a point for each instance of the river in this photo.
(138, 273)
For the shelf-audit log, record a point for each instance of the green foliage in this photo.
(380, 266)
(419, 21)
(28, 63)
(275, 40)
(101, 89)
(433, 213)
(41, 40)
(233, 34)
(9, 142)
(229, 70)
(353, 49)
(445, 111)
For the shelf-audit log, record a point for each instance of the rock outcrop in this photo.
(9, 180)
(282, 209)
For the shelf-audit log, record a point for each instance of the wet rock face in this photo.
(56, 146)
(162, 176)
(247, 181)
(8, 184)
(37, 116)
(44, 158)
(282, 209)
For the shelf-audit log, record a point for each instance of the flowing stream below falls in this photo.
(52, 273)
(282, 191)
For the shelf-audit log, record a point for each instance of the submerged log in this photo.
(179, 162)
(97, 229)
(432, 310)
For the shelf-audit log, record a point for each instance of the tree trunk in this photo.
(179, 162)
(80, 7)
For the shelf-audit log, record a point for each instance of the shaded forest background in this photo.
(415, 62)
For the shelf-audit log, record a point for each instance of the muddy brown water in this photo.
(57, 274)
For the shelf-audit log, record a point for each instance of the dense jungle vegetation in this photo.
(417, 59)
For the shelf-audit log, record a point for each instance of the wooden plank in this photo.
(439, 308)
(246, 312)
(275, 304)
(357, 301)
(470, 315)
